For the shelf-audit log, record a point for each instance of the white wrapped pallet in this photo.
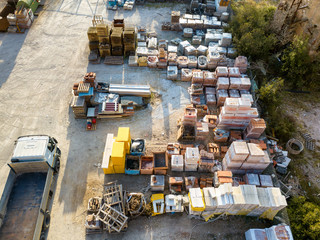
(209, 37)
(225, 40)
(234, 72)
(172, 72)
(182, 46)
(196, 40)
(187, 32)
(192, 155)
(202, 50)
(172, 49)
(245, 83)
(238, 151)
(177, 163)
(256, 153)
(190, 51)
(153, 43)
(279, 232)
(256, 234)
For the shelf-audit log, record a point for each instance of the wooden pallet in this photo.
(83, 87)
(113, 60)
(114, 219)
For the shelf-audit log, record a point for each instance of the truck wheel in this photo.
(46, 220)
(42, 236)
(57, 166)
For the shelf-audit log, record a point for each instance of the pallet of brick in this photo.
(209, 79)
(234, 93)
(191, 182)
(175, 16)
(235, 136)
(213, 59)
(222, 177)
(242, 63)
(190, 116)
(190, 51)
(182, 62)
(245, 83)
(172, 59)
(133, 61)
(222, 94)
(202, 62)
(187, 32)
(192, 62)
(196, 40)
(186, 75)
(175, 184)
(172, 73)
(223, 83)
(255, 128)
(249, 96)
(222, 72)
(197, 76)
(235, 83)
(152, 61)
(202, 131)
(79, 107)
(234, 72)
(214, 149)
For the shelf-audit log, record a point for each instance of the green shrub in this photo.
(250, 28)
(304, 218)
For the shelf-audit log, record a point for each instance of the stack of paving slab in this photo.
(236, 113)
(242, 157)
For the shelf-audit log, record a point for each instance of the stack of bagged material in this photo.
(182, 62)
(242, 63)
(129, 39)
(196, 203)
(192, 158)
(202, 131)
(103, 32)
(186, 74)
(236, 113)
(177, 163)
(202, 62)
(222, 95)
(209, 79)
(255, 128)
(211, 96)
(192, 62)
(243, 157)
(172, 72)
(117, 41)
(172, 59)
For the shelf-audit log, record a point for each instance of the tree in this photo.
(299, 69)
(305, 218)
(250, 28)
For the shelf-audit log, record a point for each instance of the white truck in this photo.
(27, 187)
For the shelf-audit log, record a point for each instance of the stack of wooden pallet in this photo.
(129, 40)
(117, 41)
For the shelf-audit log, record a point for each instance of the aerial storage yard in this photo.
(144, 123)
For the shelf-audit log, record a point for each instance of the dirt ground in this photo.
(38, 69)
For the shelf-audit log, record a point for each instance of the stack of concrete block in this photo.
(197, 76)
(245, 84)
(236, 113)
(223, 83)
(192, 158)
(234, 93)
(255, 128)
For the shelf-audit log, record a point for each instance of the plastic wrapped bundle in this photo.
(182, 46)
(225, 40)
(209, 79)
(196, 40)
(222, 94)
(210, 90)
(197, 76)
(202, 50)
(235, 83)
(209, 37)
(245, 84)
(242, 63)
(182, 61)
(190, 51)
(231, 52)
(234, 93)
(223, 83)
(172, 49)
(187, 32)
(142, 51)
(202, 62)
(186, 74)
(192, 62)
(153, 43)
(222, 72)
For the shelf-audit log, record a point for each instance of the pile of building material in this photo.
(242, 157)
(275, 232)
(255, 128)
(236, 113)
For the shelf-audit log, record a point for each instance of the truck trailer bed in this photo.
(23, 207)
